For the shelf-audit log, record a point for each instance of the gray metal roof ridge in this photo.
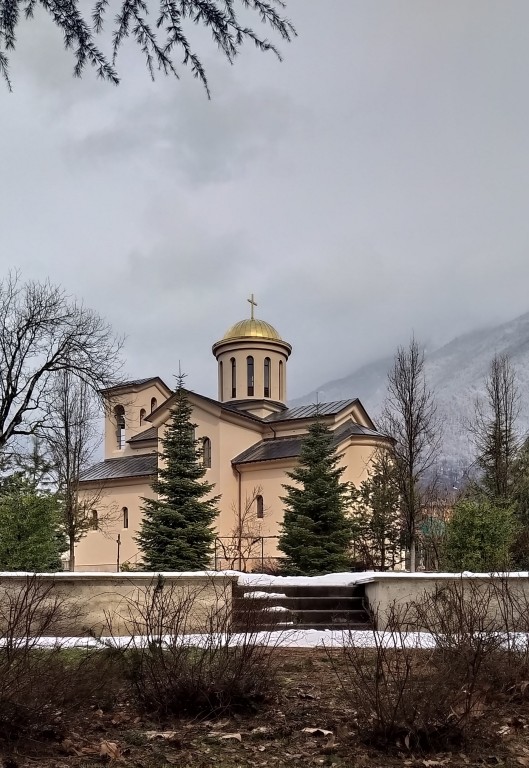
(310, 411)
(148, 434)
(124, 466)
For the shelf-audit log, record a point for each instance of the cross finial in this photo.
(253, 304)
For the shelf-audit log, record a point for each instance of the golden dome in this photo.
(252, 329)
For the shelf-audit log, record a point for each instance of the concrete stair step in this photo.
(303, 603)
(303, 607)
(356, 590)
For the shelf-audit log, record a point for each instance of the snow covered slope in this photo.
(455, 372)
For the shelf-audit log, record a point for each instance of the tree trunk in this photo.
(71, 564)
(412, 554)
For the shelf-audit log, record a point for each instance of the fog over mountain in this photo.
(456, 373)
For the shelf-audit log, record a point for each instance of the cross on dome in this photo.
(253, 304)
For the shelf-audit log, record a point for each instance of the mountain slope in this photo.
(456, 373)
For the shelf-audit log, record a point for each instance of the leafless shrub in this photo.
(270, 566)
(439, 663)
(40, 688)
(243, 544)
(402, 696)
(185, 655)
(480, 628)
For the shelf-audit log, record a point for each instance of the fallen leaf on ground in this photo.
(69, 746)
(317, 731)
(232, 736)
(167, 735)
(109, 749)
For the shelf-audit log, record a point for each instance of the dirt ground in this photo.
(309, 723)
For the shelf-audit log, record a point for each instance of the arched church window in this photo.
(267, 377)
(119, 415)
(281, 395)
(250, 374)
(154, 404)
(125, 512)
(260, 506)
(143, 414)
(206, 452)
(233, 377)
(221, 381)
(94, 522)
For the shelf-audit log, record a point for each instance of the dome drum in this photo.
(252, 360)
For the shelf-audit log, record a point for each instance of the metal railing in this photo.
(244, 553)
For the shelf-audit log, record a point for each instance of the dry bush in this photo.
(184, 657)
(402, 696)
(480, 632)
(430, 689)
(271, 566)
(41, 688)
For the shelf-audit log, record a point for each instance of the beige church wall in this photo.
(357, 459)
(234, 439)
(269, 477)
(92, 597)
(133, 402)
(97, 550)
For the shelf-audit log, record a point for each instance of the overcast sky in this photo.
(374, 183)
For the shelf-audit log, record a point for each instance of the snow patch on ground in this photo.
(263, 595)
(289, 638)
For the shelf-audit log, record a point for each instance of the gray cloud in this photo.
(372, 184)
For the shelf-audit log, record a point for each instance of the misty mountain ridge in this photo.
(455, 373)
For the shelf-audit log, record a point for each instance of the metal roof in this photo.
(147, 434)
(135, 383)
(352, 428)
(128, 466)
(310, 411)
(268, 450)
(290, 447)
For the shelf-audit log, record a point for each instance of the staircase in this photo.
(301, 607)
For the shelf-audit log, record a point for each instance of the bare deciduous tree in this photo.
(244, 540)
(71, 439)
(43, 333)
(410, 417)
(493, 428)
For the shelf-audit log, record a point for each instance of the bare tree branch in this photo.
(244, 540)
(43, 333)
(410, 417)
(72, 438)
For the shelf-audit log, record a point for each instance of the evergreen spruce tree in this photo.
(376, 515)
(316, 533)
(31, 534)
(480, 535)
(176, 533)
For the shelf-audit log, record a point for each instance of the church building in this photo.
(249, 437)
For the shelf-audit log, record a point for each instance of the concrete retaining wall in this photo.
(91, 600)
(404, 588)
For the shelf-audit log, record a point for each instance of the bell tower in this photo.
(252, 365)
